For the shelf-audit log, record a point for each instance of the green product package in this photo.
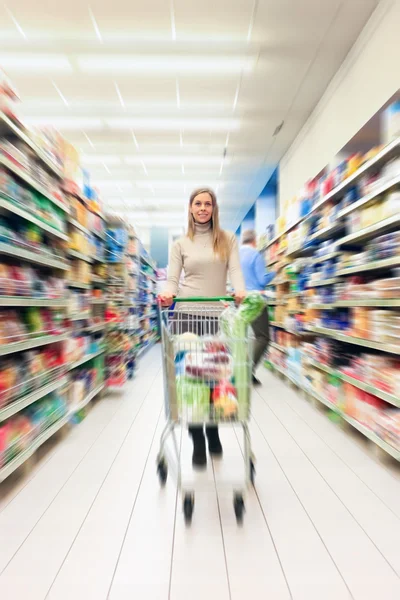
(234, 324)
(193, 399)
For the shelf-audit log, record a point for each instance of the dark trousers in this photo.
(200, 326)
(261, 331)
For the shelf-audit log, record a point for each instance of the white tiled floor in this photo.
(88, 520)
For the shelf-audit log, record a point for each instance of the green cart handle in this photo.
(210, 299)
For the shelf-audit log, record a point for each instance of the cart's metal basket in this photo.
(207, 372)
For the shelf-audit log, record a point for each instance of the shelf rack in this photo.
(342, 241)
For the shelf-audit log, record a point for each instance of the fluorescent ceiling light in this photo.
(120, 98)
(14, 20)
(89, 140)
(173, 184)
(173, 25)
(189, 64)
(178, 96)
(144, 167)
(166, 124)
(95, 26)
(59, 92)
(119, 185)
(166, 159)
(99, 159)
(135, 140)
(70, 123)
(31, 63)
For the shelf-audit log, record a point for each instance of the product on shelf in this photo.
(19, 431)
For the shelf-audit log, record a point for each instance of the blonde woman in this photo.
(206, 255)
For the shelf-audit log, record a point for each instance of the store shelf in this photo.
(379, 159)
(368, 198)
(80, 256)
(359, 426)
(349, 339)
(278, 325)
(7, 206)
(378, 302)
(320, 259)
(323, 282)
(377, 265)
(35, 185)
(87, 399)
(25, 301)
(98, 280)
(322, 367)
(390, 398)
(321, 306)
(284, 232)
(85, 359)
(301, 251)
(7, 127)
(79, 286)
(97, 327)
(19, 460)
(327, 232)
(370, 232)
(33, 257)
(81, 316)
(76, 224)
(278, 347)
(16, 406)
(32, 343)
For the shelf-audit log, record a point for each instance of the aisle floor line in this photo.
(308, 546)
(364, 550)
(86, 478)
(144, 561)
(44, 484)
(352, 449)
(254, 567)
(134, 504)
(16, 483)
(66, 580)
(344, 485)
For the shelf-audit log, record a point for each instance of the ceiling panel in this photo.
(51, 17)
(289, 23)
(226, 19)
(295, 48)
(133, 18)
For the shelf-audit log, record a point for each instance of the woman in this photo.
(206, 254)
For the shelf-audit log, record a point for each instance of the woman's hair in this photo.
(220, 239)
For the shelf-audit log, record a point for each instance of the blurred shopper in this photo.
(256, 279)
(206, 254)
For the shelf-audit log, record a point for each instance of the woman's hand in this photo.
(166, 299)
(240, 295)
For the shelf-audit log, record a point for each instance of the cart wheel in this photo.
(252, 472)
(162, 471)
(188, 507)
(238, 505)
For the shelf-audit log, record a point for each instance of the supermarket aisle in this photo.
(90, 522)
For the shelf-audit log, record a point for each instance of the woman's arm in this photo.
(235, 270)
(175, 266)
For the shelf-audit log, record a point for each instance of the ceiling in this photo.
(162, 96)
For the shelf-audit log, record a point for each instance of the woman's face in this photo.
(202, 208)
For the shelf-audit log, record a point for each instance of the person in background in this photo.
(256, 279)
(206, 254)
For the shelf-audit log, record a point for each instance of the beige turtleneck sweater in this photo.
(204, 274)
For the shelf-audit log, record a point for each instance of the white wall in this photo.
(369, 76)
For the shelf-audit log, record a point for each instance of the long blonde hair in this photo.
(220, 239)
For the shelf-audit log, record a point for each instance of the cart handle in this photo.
(205, 299)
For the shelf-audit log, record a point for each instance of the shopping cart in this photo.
(207, 380)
